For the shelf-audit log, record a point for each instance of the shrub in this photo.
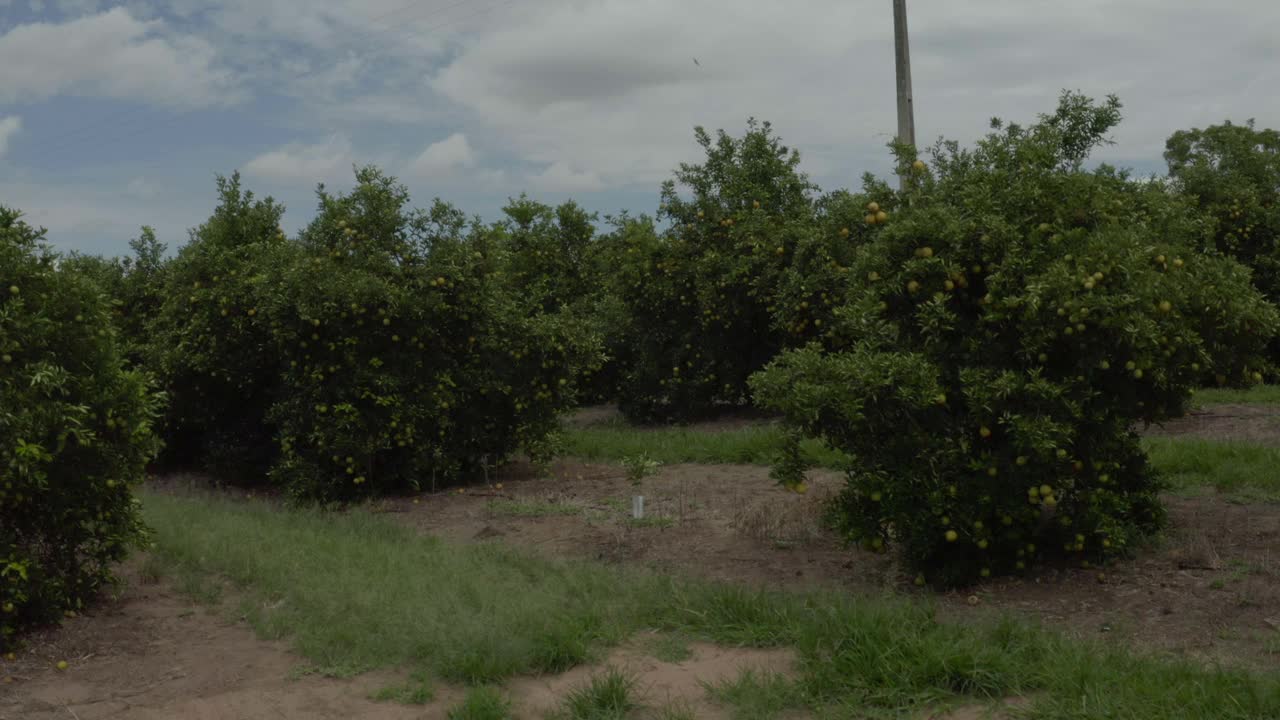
(698, 297)
(133, 284)
(1004, 331)
(214, 355)
(548, 253)
(406, 357)
(382, 349)
(555, 264)
(75, 433)
(1232, 173)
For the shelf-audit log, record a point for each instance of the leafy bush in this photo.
(382, 349)
(548, 253)
(75, 433)
(1004, 331)
(555, 264)
(407, 358)
(698, 297)
(215, 357)
(1232, 173)
(133, 284)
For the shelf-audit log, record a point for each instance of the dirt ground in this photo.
(1243, 423)
(152, 654)
(1209, 589)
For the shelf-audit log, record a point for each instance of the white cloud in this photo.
(140, 188)
(111, 54)
(100, 217)
(9, 126)
(452, 153)
(610, 87)
(560, 177)
(298, 162)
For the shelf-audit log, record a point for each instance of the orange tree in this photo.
(1003, 332)
(1232, 173)
(716, 295)
(133, 284)
(406, 359)
(213, 353)
(75, 434)
(554, 263)
(548, 252)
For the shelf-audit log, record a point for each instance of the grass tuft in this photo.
(482, 703)
(755, 695)
(417, 691)
(669, 647)
(609, 695)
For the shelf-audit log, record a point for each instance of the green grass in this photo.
(353, 591)
(669, 647)
(1242, 470)
(358, 591)
(652, 521)
(531, 508)
(417, 691)
(482, 703)
(757, 695)
(753, 444)
(1258, 394)
(609, 695)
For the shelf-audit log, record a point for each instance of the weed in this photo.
(482, 703)
(531, 508)
(417, 691)
(651, 521)
(669, 647)
(609, 695)
(755, 695)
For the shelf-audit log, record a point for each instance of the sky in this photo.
(115, 115)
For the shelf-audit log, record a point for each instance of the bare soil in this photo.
(152, 654)
(1210, 589)
(1258, 424)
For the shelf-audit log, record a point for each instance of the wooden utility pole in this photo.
(906, 112)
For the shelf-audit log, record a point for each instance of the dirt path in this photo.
(153, 655)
